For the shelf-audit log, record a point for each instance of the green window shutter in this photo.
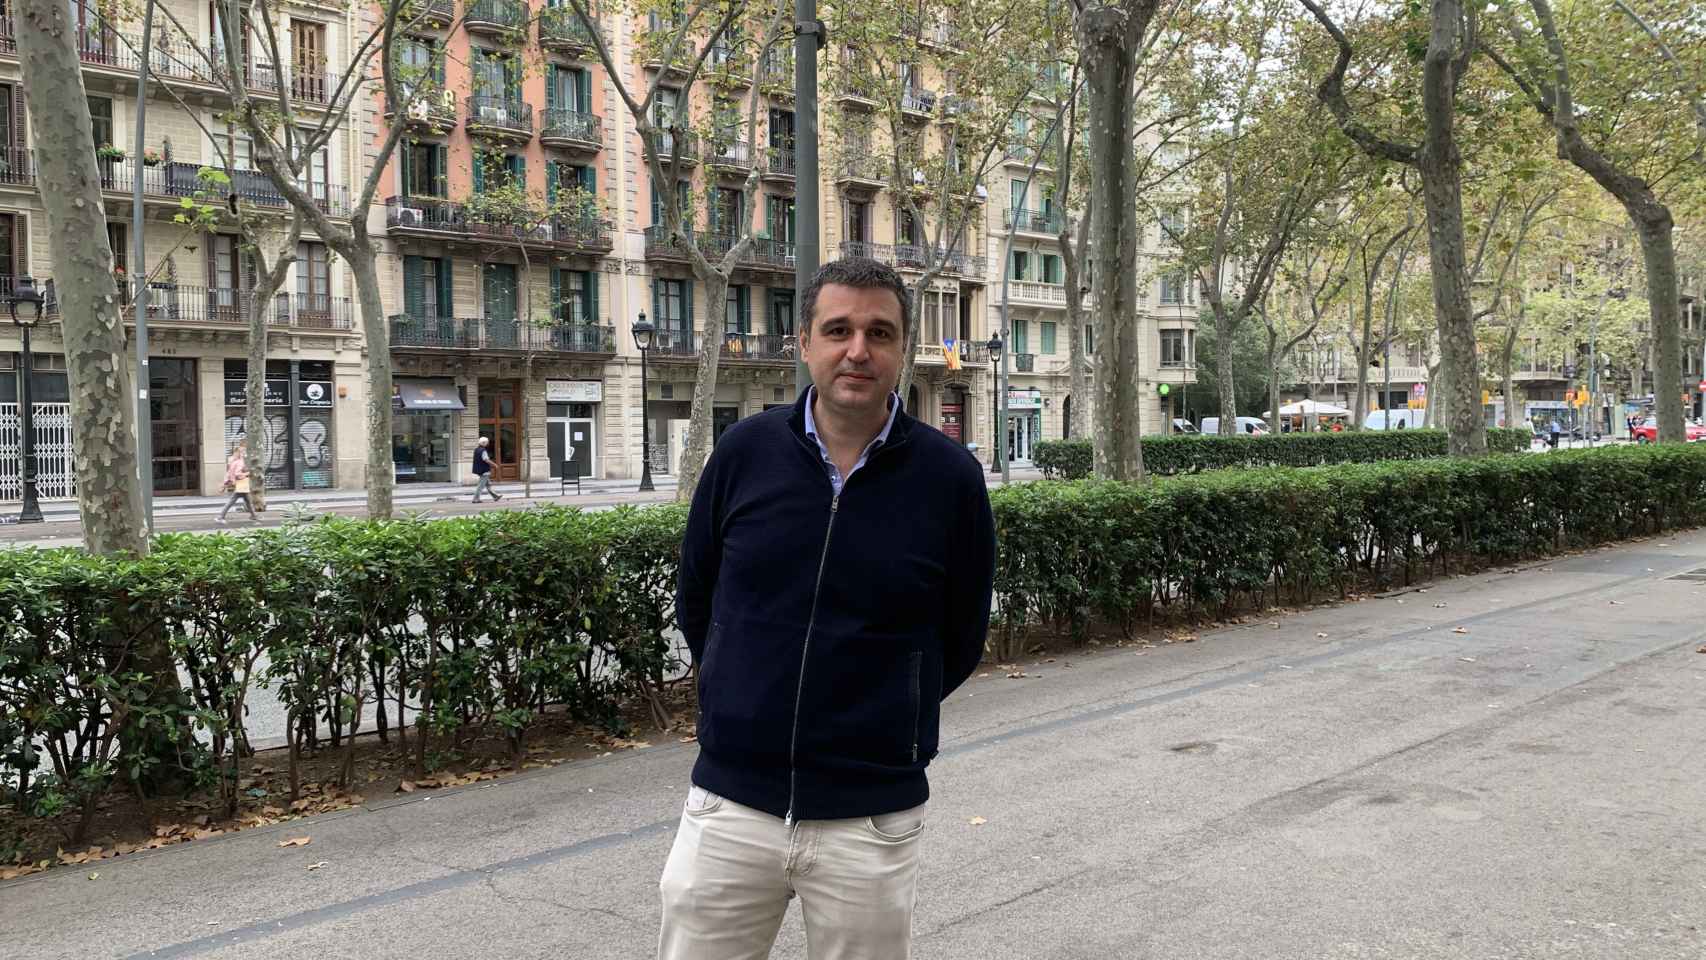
(588, 176)
(551, 180)
(583, 91)
(745, 309)
(557, 312)
(518, 170)
(551, 81)
(657, 303)
(440, 185)
(414, 301)
(405, 167)
(687, 299)
(592, 296)
(1020, 344)
(1048, 336)
(446, 302)
(479, 173)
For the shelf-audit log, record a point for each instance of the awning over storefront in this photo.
(428, 395)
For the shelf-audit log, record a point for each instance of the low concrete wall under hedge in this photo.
(1193, 453)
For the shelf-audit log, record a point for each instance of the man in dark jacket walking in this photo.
(483, 470)
(835, 587)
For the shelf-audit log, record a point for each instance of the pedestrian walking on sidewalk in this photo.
(835, 586)
(239, 482)
(483, 470)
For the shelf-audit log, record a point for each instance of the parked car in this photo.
(1405, 419)
(1181, 425)
(1648, 431)
(1247, 426)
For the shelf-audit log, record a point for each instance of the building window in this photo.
(727, 214)
(782, 312)
(1048, 336)
(737, 309)
(683, 200)
(1177, 290)
(1021, 337)
(426, 287)
(779, 218)
(1175, 218)
(101, 120)
(423, 169)
(1020, 265)
(1052, 271)
(313, 277)
(576, 294)
(859, 221)
(672, 305)
(1176, 348)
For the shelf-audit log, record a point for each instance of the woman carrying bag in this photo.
(239, 482)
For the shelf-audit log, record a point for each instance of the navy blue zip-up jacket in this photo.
(829, 629)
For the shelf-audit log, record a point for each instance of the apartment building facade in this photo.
(198, 282)
(525, 337)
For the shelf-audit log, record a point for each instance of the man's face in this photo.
(854, 347)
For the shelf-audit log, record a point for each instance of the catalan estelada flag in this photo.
(951, 353)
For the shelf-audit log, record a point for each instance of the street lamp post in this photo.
(26, 311)
(643, 333)
(995, 437)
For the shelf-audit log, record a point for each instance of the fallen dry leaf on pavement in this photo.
(407, 786)
(1320, 636)
(95, 876)
(978, 821)
(296, 842)
(1460, 630)
(1016, 675)
(1701, 650)
(1467, 659)
(315, 866)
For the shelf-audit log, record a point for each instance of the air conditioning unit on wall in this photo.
(409, 217)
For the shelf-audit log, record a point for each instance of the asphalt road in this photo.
(1504, 766)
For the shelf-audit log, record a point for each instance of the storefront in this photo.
(425, 417)
(175, 426)
(1024, 422)
(50, 400)
(297, 443)
(571, 425)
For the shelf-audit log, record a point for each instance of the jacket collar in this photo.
(903, 422)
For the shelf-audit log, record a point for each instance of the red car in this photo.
(1648, 431)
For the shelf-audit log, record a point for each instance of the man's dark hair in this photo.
(862, 272)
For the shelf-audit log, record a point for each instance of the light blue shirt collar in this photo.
(836, 480)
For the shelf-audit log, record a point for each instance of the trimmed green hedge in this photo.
(1073, 553)
(478, 623)
(481, 621)
(1192, 453)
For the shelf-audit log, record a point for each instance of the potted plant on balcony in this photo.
(107, 151)
(151, 157)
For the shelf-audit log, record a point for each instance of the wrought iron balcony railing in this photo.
(431, 332)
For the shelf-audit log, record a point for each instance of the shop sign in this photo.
(314, 395)
(276, 394)
(1024, 400)
(574, 391)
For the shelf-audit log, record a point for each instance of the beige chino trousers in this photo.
(733, 869)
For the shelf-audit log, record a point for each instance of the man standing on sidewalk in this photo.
(483, 470)
(835, 586)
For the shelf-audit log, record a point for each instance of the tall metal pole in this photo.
(139, 270)
(645, 430)
(31, 512)
(808, 38)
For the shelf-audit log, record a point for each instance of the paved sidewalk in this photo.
(1503, 766)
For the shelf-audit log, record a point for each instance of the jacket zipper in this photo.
(800, 690)
(917, 698)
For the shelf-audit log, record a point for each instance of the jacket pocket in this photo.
(702, 669)
(915, 668)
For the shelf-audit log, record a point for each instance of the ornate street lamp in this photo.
(26, 312)
(643, 334)
(995, 418)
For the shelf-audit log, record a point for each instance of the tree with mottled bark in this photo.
(1452, 41)
(676, 48)
(1111, 36)
(103, 411)
(1633, 135)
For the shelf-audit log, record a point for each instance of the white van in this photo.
(1395, 420)
(1247, 426)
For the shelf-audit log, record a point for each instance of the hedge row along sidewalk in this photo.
(1083, 552)
(484, 621)
(1170, 455)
